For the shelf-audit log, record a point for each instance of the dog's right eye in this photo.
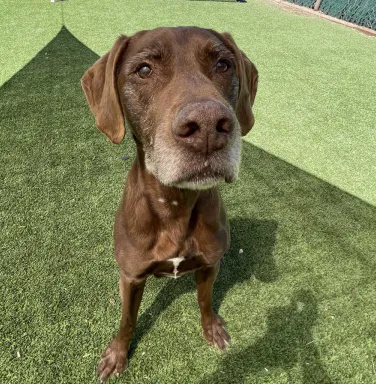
(144, 71)
(223, 66)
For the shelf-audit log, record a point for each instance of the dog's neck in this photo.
(167, 198)
(166, 216)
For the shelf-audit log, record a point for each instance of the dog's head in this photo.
(186, 94)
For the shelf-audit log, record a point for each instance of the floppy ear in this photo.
(248, 79)
(99, 85)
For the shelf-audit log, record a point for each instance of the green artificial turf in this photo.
(315, 107)
(26, 27)
(316, 104)
(299, 300)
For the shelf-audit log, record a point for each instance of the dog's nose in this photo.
(203, 126)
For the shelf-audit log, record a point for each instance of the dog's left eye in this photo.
(144, 71)
(222, 66)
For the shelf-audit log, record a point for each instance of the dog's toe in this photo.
(114, 361)
(216, 334)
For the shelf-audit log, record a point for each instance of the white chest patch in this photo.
(176, 261)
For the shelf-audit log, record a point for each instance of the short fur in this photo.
(187, 118)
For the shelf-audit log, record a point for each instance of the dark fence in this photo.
(305, 3)
(360, 12)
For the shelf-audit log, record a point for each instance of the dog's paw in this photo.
(114, 361)
(215, 333)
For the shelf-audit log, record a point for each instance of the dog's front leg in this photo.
(114, 358)
(213, 326)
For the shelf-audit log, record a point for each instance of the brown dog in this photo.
(186, 94)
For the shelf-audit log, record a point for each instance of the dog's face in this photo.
(186, 94)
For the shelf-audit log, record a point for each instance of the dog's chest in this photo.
(174, 256)
(178, 266)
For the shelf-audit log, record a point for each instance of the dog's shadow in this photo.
(251, 254)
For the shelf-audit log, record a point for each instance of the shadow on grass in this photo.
(255, 237)
(60, 187)
(287, 342)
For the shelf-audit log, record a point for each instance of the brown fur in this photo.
(157, 219)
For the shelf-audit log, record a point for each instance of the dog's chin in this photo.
(185, 175)
(201, 183)
(197, 185)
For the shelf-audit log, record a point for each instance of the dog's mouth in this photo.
(179, 168)
(203, 178)
(204, 174)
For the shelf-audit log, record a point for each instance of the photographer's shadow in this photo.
(251, 253)
(288, 342)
